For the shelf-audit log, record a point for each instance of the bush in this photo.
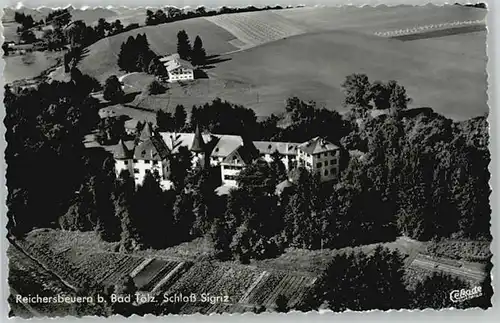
(155, 87)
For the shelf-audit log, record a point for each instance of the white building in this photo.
(229, 152)
(177, 68)
(320, 156)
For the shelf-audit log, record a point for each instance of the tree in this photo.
(357, 93)
(434, 292)
(180, 164)
(59, 18)
(54, 39)
(116, 27)
(198, 54)
(113, 89)
(278, 167)
(221, 239)
(183, 45)
(28, 36)
(123, 202)
(155, 87)
(164, 121)
(180, 117)
(102, 28)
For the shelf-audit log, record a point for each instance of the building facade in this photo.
(177, 68)
(320, 157)
(229, 152)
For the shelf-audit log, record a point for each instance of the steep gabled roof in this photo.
(121, 151)
(243, 154)
(152, 149)
(146, 133)
(317, 145)
(198, 145)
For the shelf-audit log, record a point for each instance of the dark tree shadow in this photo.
(129, 97)
(215, 59)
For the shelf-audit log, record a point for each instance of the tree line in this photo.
(171, 14)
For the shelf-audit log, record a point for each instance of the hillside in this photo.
(378, 19)
(101, 60)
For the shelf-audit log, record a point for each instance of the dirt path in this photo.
(427, 263)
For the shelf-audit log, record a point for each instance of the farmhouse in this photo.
(177, 68)
(229, 152)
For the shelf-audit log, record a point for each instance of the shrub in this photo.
(155, 87)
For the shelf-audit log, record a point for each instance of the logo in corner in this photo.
(457, 296)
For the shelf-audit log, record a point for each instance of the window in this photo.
(126, 162)
(155, 162)
(334, 171)
(334, 162)
(326, 172)
(332, 153)
(136, 171)
(146, 161)
(326, 162)
(318, 165)
(135, 160)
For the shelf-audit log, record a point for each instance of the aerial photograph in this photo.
(260, 159)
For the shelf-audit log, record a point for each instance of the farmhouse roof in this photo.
(317, 145)
(122, 151)
(198, 143)
(176, 63)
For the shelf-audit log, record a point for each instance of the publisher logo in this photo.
(462, 295)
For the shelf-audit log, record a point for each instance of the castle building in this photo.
(229, 152)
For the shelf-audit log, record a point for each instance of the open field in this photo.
(437, 72)
(313, 66)
(255, 28)
(101, 61)
(370, 20)
(29, 65)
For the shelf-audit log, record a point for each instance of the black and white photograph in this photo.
(179, 160)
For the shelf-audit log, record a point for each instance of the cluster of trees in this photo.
(25, 30)
(430, 172)
(171, 14)
(303, 121)
(44, 145)
(165, 121)
(359, 282)
(135, 54)
(196, 54)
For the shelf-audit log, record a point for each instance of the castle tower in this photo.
(123, 158)
(146, 133)
(198, 147)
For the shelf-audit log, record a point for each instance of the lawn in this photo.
(313, 66)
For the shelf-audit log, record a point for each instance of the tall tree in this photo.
(183, 45)
(198, 55)
(180, 117)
